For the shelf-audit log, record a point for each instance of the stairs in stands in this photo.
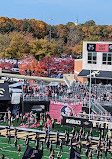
(69, 79)
(107, 106)
(95, 107)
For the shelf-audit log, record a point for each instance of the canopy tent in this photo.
(15, 90)
(15, 85)
(53, 84)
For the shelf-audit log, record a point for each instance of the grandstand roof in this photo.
(96, 74)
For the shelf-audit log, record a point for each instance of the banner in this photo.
(58, 109)
(80, 122)
(15, 98)
(31, 153)
(28, 152)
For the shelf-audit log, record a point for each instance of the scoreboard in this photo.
(99, 47)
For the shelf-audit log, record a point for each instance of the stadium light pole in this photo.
(90, 96)
(50, 31)
(48, 67)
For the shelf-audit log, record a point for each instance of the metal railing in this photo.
(67, 81)
(45, 98)
(95, 117)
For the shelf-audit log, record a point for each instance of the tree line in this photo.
(31, 37)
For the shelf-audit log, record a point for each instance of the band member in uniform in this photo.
(61, 146)
(15, 132)
(106, 151)
(19, 150)
(90, 155)
(15, 141)
(37, 143)
(7, 133)
(87, 152)
(50, 146)
(27, 141)
(91, 134)
(9, 138)
(87, 136)
(109, 143)
(80, 146)
(71, 142)
(57, 138)
(45, 134)
(81, 131)
(73, 131)
(3, 156)
(47, 143)
(77, 137)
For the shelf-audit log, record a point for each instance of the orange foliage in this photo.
(29, 63)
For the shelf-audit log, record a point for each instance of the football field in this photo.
(11, 152)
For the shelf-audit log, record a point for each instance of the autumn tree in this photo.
(4, 43)
(18, 46)
(40, 28)
(89, 23)
(28, 63)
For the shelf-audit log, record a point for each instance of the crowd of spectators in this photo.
(77, 92)
(105, 117)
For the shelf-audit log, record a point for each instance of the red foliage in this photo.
(6, 66)
(52, 65)
(29, 63)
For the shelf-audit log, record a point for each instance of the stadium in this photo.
(68, 116)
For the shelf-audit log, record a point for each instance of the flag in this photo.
(74, 154)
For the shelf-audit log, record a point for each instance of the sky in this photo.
(60, 11)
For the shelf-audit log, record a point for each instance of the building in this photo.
(76, 22)
(96, 62)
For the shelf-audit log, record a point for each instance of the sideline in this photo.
(39, 131)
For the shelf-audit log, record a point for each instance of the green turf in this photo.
(11, 152)
(59, 127)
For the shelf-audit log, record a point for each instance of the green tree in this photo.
(89, 23)
(4, 43)
(27, 27)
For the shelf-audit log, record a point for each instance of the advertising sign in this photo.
(4, 91)
(99, 47)
(58, 109)
(79, 122)
(102, 47)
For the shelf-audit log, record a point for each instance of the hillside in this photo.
(30, 36)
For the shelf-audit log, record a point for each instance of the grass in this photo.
(11, 152)
(57, 127)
